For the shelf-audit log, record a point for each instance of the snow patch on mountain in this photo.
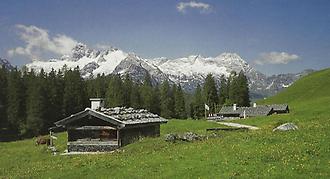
(6, 64)
(91, 62)
(186, 71)
(199, 65)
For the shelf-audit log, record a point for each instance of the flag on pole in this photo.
(207, 107)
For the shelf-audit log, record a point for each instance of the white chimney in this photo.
(234, 107)
(254, 105)
(97, 103)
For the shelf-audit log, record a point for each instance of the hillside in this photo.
(308, 97)
(304, 153)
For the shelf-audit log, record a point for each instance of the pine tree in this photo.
(198, 103)
(36, 104)
(75, 98)
(3, 97)
(223, 91)
(243, 90)
(180, 111)
(16, 101)
(173, 89)
(147, 92)
(128, 85)
(210, 92)
(233, 89)
(155, 102)
(115, 92)
(55, 90)
(135, 100)
(166, 100)
(100, 85)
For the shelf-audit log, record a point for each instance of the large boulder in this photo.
(286, 127)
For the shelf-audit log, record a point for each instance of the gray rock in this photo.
(190, 136)
(171, 137)
(286, 127)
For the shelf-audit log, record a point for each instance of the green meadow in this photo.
(304, 153)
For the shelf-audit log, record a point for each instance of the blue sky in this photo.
(276, 36)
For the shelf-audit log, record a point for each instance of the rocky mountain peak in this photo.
(79, 51)
(186, 71)
(5, 63)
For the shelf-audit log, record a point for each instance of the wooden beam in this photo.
(226, 129)
(93, 128)
(71, 118)
(138, 125)
(107, 118)
(118, 138)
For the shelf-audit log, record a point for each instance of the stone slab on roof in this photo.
(260, 110)
(255, 111)
(229, 110)
(132, 116)
(249, 111)
(279, 107)
(120, 116)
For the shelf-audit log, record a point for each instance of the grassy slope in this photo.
(299, 154)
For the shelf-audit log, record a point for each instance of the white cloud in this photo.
(202, 7)
(276, 58)
(37, 42)
(103, 46)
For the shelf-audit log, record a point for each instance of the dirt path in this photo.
(231, 124)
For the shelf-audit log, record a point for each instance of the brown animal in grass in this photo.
(42, 141)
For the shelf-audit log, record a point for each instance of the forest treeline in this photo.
(31, 102)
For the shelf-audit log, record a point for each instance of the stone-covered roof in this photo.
(120, 116)
(260, 110)
(249, 111)
(255, 111)
(279, 107)
(132, 116)
(229, 110)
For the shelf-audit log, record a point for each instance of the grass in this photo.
(304, 153)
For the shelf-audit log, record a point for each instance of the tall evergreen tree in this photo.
(147, 92)
(55, 90)
(135, 100)
(179, 102)
(101, 86)
(239, 90)
(233, 89)
(155, 102)
(128, 85)
(166, 101)
(223, 91)
(3, 96)
(75, 98)
(198, 103)
(16, 101)
(36, 104)
(210, 92)
(115, 92)
(243, 90)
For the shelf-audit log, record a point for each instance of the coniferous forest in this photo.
(31, 102)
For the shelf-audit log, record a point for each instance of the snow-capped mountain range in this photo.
(5, 63)
(187, 71)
